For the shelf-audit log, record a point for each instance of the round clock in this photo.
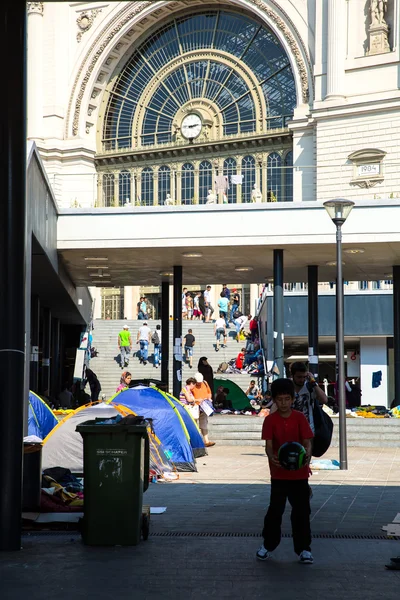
(191, 126)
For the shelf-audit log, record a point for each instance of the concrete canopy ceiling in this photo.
(142, 266)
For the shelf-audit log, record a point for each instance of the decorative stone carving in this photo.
(35, 7)
(169, 201)
(256, 195)
(85, 21)
(211, 198)
(378, 32)
(367, 167)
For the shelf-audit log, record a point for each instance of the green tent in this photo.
(236, 394)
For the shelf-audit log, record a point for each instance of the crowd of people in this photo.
(198, 306)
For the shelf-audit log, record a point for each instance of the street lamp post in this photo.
(339, 210)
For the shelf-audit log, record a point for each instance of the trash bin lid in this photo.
(96, 427)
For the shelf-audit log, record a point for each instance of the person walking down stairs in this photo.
(143, 338)
(125, 345)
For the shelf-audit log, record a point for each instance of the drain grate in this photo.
(327, 536)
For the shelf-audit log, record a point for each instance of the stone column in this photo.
(196, 193)
(239, 172)
(35, 70)
(155, 187)
(336, 49)
(128, 302)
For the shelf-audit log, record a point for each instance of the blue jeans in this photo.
(234, 308)
(224, 315)
(144, 349)
(157, 354)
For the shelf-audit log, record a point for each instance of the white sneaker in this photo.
(306, 558)
(263, 554)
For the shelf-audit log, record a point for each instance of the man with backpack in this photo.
(143, 338)
(156, 340)
(307, 391)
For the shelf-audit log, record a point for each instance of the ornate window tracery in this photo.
(225, 65)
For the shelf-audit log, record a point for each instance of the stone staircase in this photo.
(107, 369)
(233, 430)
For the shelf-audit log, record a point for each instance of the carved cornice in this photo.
(118, 23)
(35, 7)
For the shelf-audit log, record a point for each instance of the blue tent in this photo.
(168, 424)
(196, 440)
(41, 419)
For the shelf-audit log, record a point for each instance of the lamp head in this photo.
(338, 209)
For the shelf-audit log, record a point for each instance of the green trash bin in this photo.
(116, 473)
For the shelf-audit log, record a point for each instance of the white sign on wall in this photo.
(368, 170)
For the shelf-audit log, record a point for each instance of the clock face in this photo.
(191, 126)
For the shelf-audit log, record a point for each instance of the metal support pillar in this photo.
(46, 352)
(55, 375)
(340, 351)
(313, 320)
(177, 334)
(278, 311)
(396, 331)
(35, 330)
(165, 333)
(12, 270)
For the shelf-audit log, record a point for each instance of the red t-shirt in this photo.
(239, 360)
(294, 428)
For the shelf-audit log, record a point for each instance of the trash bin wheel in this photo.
(145, 527)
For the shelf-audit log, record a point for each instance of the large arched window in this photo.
(289, 177)
(108, 189)
(147, 198)
(249, 177)
(164, 183)
(124, 188)
(187, 183)
(229, 170)
(274, 177)
(205, 180)
(233, 44)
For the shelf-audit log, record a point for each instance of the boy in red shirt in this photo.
(287, 425)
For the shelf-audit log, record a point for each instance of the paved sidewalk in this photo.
(230, 493)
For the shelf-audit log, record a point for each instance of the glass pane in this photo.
(288, 177)
(124, 191)
(229, 170)
(274, 178)
(205, 180)
(147, 187)
(187, 182)
(164, 184)
(249, 177)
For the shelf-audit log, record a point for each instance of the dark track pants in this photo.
(298, 494)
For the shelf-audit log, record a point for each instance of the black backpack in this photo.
(323, 428)
(237, 314)
(155, 338)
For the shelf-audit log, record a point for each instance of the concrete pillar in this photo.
(13, 266)
(279, 335)
(177, 332)
(336, 49)
(46, 352)
(313, 320)
(55, 383)
(95, 292)
(165, 312)
(373, 358)
(129, 308)
(34, 358)
(35, 70)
